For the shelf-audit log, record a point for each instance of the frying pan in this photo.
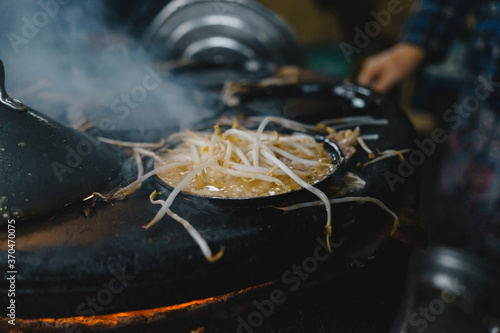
(280, 199)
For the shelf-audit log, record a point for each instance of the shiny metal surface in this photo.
(224, 31)
(449, 290)
(5, 99)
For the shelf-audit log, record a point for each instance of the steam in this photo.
(62, 59)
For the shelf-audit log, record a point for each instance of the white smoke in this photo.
(62, 59)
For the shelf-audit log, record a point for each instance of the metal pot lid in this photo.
(224, 31)
(45, 165)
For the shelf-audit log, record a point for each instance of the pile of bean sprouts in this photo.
(239, 155)
(245, 163)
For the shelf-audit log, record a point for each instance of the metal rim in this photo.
(174, 7)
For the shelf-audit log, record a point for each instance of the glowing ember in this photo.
(124, 319)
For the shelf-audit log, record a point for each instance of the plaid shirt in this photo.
(436, 23)
(466, 210)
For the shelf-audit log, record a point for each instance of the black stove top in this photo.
(68, 256)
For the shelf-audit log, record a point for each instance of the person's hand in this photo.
(384, 70)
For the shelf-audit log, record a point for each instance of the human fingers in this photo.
(377, 75)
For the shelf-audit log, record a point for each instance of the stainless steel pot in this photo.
(450, 290)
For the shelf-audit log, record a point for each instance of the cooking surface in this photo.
(361, 299)
(65, 257)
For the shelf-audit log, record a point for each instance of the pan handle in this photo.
(5, 99)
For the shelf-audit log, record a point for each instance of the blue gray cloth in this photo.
(466, 209)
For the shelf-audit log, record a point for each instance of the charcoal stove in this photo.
(90, 267)
(67, 258)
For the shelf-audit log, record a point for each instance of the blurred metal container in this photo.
(221, 31)
(449, 290)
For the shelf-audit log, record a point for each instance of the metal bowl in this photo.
(224, 31)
